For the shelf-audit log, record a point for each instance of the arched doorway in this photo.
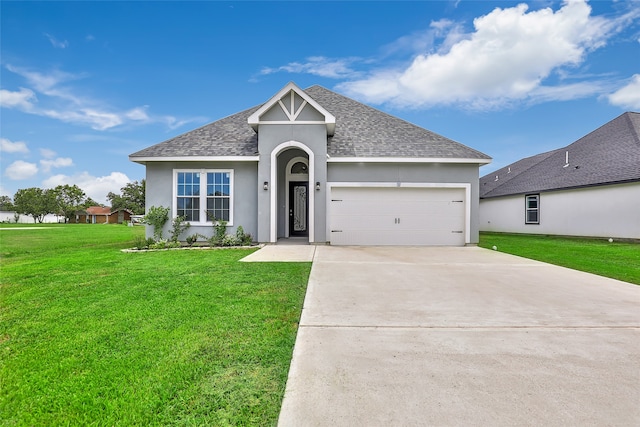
(305, 159)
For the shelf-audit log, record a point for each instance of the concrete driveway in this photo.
(394, 336)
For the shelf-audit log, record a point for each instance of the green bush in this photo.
(192, 239)
(243, 238)
(157, 217)
(219, 233)
(178, 226)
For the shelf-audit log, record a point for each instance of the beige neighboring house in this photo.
(588, 188)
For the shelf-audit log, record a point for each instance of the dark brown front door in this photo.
(298, 208)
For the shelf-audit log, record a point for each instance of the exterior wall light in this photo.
(265, 186)
(318, 186)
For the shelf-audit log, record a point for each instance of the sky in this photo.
(85, 84)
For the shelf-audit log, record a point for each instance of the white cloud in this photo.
(138, 113)
(61, 102)
(8, 146)
(22, 99)
(505, 59)
(628, 96)
(95, 187)
(98, 120)
(59, 162)
(47, 153)
(318, 66)
(20, 170)
(57, 43)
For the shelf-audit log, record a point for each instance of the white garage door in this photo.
(397, 216)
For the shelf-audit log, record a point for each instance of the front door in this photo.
(298, 208)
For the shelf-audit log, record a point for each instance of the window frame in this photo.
(203, 219)
(527, 209)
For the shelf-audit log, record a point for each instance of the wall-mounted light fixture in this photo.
(265, 186)
(318, 186)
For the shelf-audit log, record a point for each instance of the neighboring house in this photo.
(315, 164)
(589, 188)
(101, 215)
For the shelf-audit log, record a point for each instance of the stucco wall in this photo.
(159, 192)
(604, 211)
(412, 173)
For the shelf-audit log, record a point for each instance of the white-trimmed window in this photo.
(204, 195)
(532, 209)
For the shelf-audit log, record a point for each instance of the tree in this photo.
(35, 202)
(88, 202)
(68, 199)
(6, 204)
(132, 197)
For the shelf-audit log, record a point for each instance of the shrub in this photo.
(192, 239)
(178, 226)
(140, 243)
(243, 238)
(229, 240)
(157, 217)
(219, 233)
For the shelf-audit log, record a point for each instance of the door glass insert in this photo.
(300, 208)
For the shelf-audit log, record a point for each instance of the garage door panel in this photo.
(397, 216)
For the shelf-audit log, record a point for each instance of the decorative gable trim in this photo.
(292, 111)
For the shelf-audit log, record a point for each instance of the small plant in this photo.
(229, 240)
(243, 238)
(192, 239)
(219, 232)
(178, 226)
(140, 243)
(16, 217)
(159, 244)
(157, 217)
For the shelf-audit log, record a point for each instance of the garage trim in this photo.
(465, 186)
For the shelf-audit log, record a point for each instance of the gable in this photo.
(292, 106)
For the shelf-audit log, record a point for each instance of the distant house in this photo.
(101, 215)
(588, 188)
(323, 168)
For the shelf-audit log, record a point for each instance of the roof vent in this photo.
(496, 177)
(509, 170)
(566, 159)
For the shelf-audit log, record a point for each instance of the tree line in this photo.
(65, 200)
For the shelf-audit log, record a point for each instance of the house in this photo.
(101, 215)
(321, 167)
(588, 188)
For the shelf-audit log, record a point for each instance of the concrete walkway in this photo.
(461, 337)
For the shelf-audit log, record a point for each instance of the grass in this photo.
(617, 260)
(93, 336)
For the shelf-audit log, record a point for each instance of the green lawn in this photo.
(618, 260)
(93, 336)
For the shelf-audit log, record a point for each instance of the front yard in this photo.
(93, 336)
(618, 260)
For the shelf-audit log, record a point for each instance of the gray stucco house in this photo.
(588, 188)
(321, 166)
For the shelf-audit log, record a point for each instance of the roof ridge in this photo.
(635, 132)
(398, 119)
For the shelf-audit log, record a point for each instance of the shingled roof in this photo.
(361, 131)
(608, 155)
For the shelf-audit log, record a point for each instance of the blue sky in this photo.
(85, 84)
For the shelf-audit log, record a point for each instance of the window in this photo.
(532, 209)
(204, 196)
